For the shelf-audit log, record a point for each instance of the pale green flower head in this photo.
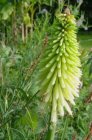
(59, 69)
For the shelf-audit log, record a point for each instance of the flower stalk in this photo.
(59, 70)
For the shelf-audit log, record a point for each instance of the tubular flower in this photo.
(59, 74)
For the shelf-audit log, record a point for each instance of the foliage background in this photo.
(25, 30)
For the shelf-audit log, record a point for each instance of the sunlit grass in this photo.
(85, 39)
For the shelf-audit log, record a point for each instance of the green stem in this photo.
(65, 128)
(7, 125)
(51, 132)
(31, 122)
(8, 132)
(52, 125)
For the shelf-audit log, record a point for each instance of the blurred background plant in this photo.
(25, 30)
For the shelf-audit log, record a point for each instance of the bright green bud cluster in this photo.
(60, 73)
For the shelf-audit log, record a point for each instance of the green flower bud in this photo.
(59, 69)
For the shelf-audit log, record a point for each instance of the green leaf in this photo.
(7, 11)
(30, 118)
(2, 1)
